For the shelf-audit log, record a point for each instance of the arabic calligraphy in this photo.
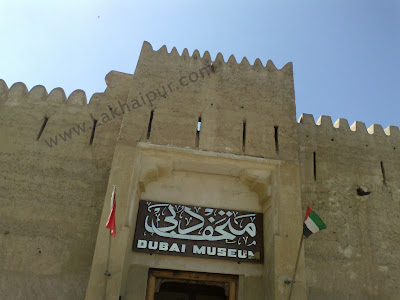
(200, 224)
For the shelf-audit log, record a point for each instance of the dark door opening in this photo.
(183, 285)
(186, 291)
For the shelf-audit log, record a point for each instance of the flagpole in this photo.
(295, 268)
(107, 272)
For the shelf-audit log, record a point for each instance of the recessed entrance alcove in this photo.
(178, 176)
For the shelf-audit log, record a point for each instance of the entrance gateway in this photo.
(227, 195)
(180, 285)
(195, 231)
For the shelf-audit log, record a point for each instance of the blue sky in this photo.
(346, 54)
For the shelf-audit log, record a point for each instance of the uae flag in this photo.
(312, 223)
(111, 218)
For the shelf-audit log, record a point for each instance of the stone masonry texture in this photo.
(52, 192)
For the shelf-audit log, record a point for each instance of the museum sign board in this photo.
(196, 231)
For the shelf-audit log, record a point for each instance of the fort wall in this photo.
(224, 95)
(356, 257)
(245, 110)
(52, 197)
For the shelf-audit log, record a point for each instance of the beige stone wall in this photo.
(357, 256)
(55, 200)
(64, 185)
(51, 197)
(227, 95)
(224, 96)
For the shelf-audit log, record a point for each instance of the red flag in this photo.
(111, 219)
(308, 212)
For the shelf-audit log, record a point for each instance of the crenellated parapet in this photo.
(163, 65)
(236, 102)
(240, 101)
(118, 85)
(335, 151)
(46, 116)
(358, 128)
(219, 59)
(18, 93)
